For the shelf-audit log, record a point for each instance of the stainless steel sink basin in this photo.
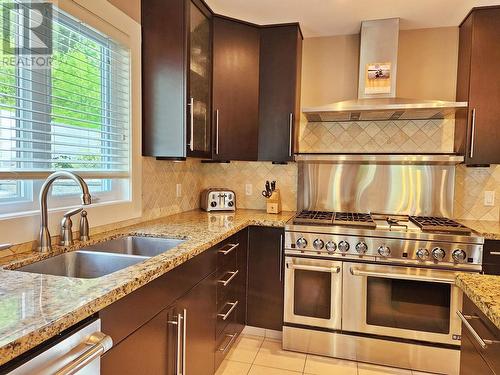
(136, 245)
(82, 264)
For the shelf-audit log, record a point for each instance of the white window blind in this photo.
(71, 115)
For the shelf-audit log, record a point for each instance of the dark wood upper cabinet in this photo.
(265, 278)
(176, 78)
(478, 82)
(279, 99)
(200, 80)
(216, 87)
(235, 89)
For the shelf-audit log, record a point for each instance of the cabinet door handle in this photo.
(482, 342)
(231, 248)
(216, 132)
(290, 125)
(178, 362)
(226, 315)
(184, 329)
(280, 263)
(494, 252)
(473, 133)
(230, 342)
(225, 282)
(191, 120)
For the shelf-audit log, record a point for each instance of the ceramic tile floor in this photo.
(255, 355)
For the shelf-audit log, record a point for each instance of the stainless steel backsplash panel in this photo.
(395, 189)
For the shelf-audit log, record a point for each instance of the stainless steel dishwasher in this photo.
(78, 353)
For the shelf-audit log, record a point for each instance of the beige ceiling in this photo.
(340, 17)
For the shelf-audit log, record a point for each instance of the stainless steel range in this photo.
(377, 288)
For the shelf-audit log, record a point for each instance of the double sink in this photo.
(103, 258)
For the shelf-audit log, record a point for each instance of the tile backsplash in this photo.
(159, 186)
(236, 175)
(405, 136)
(422, 136)
(470, 186)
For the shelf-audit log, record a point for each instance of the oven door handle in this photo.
(335, 269)
(402, 276)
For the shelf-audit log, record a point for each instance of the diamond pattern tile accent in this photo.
(159, 180)
(470, 185)
(410, 136)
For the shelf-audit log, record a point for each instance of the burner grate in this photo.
(314, 217)
(439, 224)
(334, 218)
(354, 218)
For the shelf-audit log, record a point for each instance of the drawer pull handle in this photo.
(230, 342)
(482, 342)
(226, 315)
(494, 252)
(233, 275)
(231, 248)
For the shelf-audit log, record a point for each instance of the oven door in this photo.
(402, 302)
(313, 292)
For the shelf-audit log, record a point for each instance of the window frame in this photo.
(106, 18)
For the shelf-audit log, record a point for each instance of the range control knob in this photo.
(301, 243)
(230, 203)
(438, 253)
(459, 255)
(213, 204)
(361, 248)
(318, 244)
(384, 250)
(422, 254)
(344, 246)
(331, 246)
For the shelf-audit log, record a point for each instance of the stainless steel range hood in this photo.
(377, 84)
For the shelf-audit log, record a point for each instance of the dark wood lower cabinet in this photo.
(200, 308)
(146, 351)
(265, 278)
(198, 311)
(475, 359)
(180, 336)
(491, 257)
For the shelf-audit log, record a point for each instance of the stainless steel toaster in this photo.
(218, 199)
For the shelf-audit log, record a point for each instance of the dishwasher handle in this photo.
(98, 343)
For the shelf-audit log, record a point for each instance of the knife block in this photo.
(273, 205)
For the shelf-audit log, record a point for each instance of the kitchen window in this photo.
(73, 113)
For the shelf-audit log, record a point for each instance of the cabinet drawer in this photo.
(491, 254)
(486, 331)
(225, 341)
(227, 256)
(228, 284)
(227, 311)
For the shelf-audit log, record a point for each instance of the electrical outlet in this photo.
(248, 189)
(178, 190)
(489, 198)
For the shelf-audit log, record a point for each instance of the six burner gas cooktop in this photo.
(366, 220)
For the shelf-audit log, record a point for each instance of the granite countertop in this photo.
(34, 307)
(484, 291)
(490, 230)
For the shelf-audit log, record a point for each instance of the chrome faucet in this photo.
(45, 243)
